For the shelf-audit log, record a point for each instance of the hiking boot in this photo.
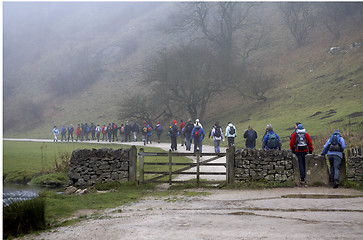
(336, 184)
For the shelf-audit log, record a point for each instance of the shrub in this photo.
(24, 217)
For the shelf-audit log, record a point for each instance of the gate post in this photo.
(132, 163)
(170, 166)
(141, 167)
(230, 164)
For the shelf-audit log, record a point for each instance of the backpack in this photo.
(301, 140)
(88, 129)
(197, 133)
(232, 130)
(272, 141)
(217, 132)
(251, 135)
(189, 128)
(122, 130)
(173, 130)
(149, 130)
(145, 129)
(70, 129)
(335, 143)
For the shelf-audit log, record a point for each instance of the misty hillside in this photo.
(82, 62)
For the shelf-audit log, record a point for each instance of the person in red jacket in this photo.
(300, 144)
(78, 132)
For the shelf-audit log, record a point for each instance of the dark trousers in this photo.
(64, 136)
(335, 162)
(173, 143)
(98, 137)
(198, 144)
(70, 134)
(301, 159)
(93, 135)
(230, 141)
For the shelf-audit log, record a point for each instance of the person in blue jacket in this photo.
(149, 133)
(271, 140)
(198, 134)
(334, 148)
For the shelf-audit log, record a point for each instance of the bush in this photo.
(24, 217)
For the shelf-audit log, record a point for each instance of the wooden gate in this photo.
(188, 166)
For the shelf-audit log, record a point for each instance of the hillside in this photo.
(88, 61)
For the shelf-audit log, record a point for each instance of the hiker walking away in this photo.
(98, 132)
(334, 148)
(70, 131)
(159, 130)
(149, 133)
(300, 144)
(63, 133)
(250, 135)
(173, 134)
(104, 132)
(135, 131)
(83, 130)
(79, 132)
(127, 132)
(109, 132)
(198, 134)
(88, 131)
(122, 132)
(55, 132)
(93, 131)
(144, 133)
(187, 131)
(114, 132)
(271, 139)
(231, 134)
(217, 136)
(181, 126)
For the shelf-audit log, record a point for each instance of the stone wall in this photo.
(355, 164)
(270, 165)
(88, 167)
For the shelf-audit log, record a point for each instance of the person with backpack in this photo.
(187, 131)
(55, 133)
(63, 133)
(159, 130)
(135, 131)
(271, 139)
(250, 135)
(143, 133)
(334, 148)
(87, 131)
(127, 132)
(173, 134)
(109, 132)
(198, 134)
(104, 132)
(217, 136)
(122, 132)
(98, 132)
(93, 131)
(70, 132)
(301, 144)
(231, 134)
(182, 137)
(149, 134)
(114, 132)
(79, 132)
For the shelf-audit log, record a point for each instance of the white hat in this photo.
(197, 120)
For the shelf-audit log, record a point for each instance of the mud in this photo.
(228, 214)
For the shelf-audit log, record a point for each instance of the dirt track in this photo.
(227, 214)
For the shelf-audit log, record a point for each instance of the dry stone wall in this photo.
(88, 167)
(355, 164)
(270, 165)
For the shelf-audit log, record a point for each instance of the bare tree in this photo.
(185, 78)
(300, 18)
